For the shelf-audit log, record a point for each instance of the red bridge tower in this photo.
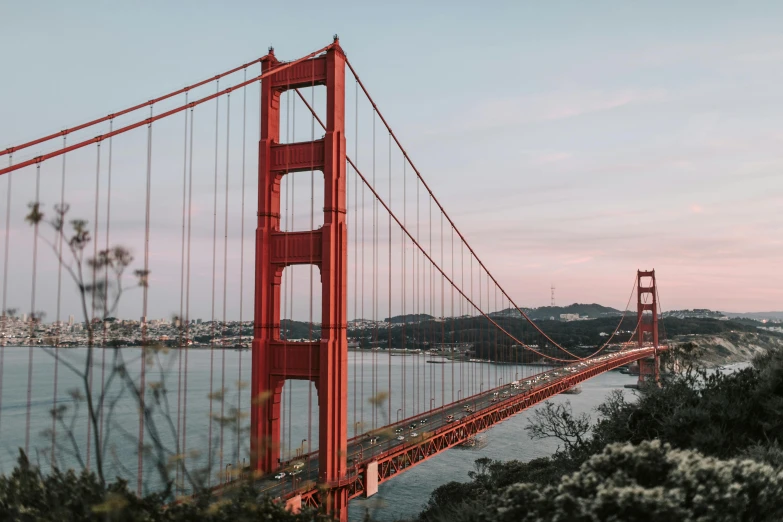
(324, 362)
(647, 323)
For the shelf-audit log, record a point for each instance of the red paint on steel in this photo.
(330, 373)
(647, 367)
(148, 121)
(418, 174)
(149, 103)
(403, 457)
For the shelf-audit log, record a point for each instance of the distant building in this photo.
(70, 320)
(569, 317)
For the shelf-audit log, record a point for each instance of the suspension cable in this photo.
(489, 275)
(91, 318)
(35, 209)
(279, 68)
(145, 292)
(4, 311)
(214, 261)
(187, 295)
(114, 115)
(418, 174)
(59, 318)
(241, 272)
(106, 287)
(181, 326)
(225, 286)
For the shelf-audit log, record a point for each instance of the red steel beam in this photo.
(148, 121)
(443, 210)
(406, 456)
(113, 115)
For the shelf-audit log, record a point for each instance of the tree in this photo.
(559, 421)
(99, 280)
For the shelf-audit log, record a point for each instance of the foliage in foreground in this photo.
(28, 495)
(733, 416)
(650, 481)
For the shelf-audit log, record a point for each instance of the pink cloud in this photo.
(579, 260)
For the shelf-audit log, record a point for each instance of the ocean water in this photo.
(413, 386)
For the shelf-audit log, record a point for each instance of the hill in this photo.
(758, 316)
(591, 311)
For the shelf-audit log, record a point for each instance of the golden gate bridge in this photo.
(383, 246)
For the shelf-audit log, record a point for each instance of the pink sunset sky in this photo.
(572, 144)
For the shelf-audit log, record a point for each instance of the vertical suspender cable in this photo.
(442, 319)
(182, 343)
(432, 311)
(99, 448)
(214, 263)
(187, 296)
(312, 227)
(361, 402)
(390, 284)
(291, 279)
(374, 286)
(475, 350)
(59, 327)
(32, 309)
(241, 274)
(145, 290)
(453, 337)
(355, 377)
(225, 287)
(4, 311)
(417, 311)
(91, 318)
(284, 319)
(404, 245)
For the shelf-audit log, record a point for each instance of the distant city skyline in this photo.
(571, 143)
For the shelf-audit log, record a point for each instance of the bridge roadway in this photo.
(435, 434)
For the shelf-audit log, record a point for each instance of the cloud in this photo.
(579, 260)
(558, 105)
(696, 209)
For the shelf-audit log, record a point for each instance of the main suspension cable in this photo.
(418, 174)
(38, 159)
(114, 115)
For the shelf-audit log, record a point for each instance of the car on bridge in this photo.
(280, 476)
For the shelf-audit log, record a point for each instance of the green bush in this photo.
(27, 495)
(650, 482)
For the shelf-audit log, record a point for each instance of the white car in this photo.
(400, 438)
(414, 434)
(280, 476)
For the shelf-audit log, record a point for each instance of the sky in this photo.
(571, 142)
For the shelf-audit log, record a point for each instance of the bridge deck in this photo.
(389, 456)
